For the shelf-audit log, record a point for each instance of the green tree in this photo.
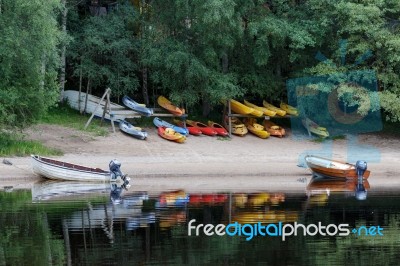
(28, 60)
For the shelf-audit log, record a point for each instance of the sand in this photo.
(209, 163)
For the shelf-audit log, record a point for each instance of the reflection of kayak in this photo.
(207, 198)
(315, 128)
(265, 217)
(333, 168)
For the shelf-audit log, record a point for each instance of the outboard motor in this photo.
(115, 168)
(361, 167)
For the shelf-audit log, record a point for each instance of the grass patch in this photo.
(16, 145)
(319, 140)
(64, 115)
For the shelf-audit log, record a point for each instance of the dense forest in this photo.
(194, 52)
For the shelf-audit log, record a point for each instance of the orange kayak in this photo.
(166, 104)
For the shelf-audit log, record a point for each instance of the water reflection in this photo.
(96, 224)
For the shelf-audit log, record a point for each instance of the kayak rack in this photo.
(229, 114)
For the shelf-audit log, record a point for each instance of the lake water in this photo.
(71, 223)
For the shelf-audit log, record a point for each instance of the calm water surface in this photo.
(64, 223)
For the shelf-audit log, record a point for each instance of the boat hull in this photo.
(271, 107)
(170, 134)
(274, 129)
(331, 168)
(118, 112)
(240, 108)
(206, 130)
(262, 109)
(57, 170)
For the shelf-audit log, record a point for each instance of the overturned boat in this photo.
(332, 168)
(137, 107)
(136, 132)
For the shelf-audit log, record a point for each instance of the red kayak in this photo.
(206, 130)
(221, 131)
(192, 130)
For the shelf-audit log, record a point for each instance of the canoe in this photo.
(289, 109)
(118, 112)
(240, 108)
(58, 170)
(274, 129)
(192, 130)
(314, 128)
(238, 128)
(206, 130)
(331, 168)
(161, 123)
(166, 104)
(271, 107)
(262, 109)
(221, 131)
(256, 128)
(170, 134)
(137, 107)
(136, 132)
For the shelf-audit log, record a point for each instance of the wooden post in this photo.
(109, 109)
(95, 109)
(229, 117)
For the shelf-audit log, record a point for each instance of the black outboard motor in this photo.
(361, 167)
(361, 193)
(115, 168)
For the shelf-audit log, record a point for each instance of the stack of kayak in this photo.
(169, 131)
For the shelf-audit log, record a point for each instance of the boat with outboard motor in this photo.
(332, 168)
(58, 170)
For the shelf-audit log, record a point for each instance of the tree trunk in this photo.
(80, 90)
(43, 71)
(87, 94)
(144, 87)
(63, 48)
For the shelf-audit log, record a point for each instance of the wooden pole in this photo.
(95, 109)
(109, 109)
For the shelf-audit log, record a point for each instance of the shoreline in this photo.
(208, 162)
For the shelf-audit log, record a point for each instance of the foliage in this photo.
(17, 145)
(104, 48)
(28, 60)
(63, 115)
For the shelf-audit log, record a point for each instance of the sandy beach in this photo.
(209, 163)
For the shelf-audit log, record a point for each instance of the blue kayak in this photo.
(141, 109)
(161, 123)
(135, 132)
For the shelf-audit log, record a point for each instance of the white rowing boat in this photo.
(58, 170)
(117, 111)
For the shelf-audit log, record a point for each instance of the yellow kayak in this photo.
(314, 128)
(289, 109)
(256, 129)
(262, 109)
(238, 128)
(240, 108)
(165, 103)
(278, 111)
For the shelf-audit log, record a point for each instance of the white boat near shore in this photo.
(58, 170)
(117, 111)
